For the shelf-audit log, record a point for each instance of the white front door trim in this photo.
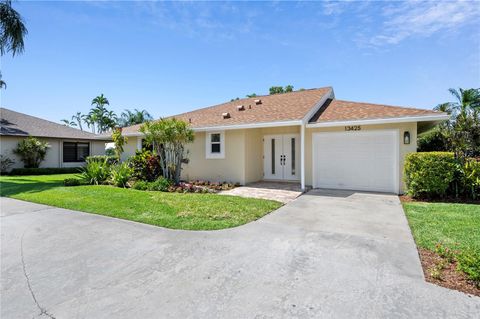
(279, 166)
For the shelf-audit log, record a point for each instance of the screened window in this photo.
(215, 143)
(215, 147)
(75, 152)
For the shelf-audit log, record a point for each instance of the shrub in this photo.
(5, 163)
(110, 151)
(429, 174)
(161, 184)
(102, 158)
(73, 182)
(145, 165)
(96, 172)
(469, 263)
(120, 174)
(119, 141)
(471, 178)
(140, 185)
(45, 171)
(32, 151)
(433, 141)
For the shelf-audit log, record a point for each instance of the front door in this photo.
(281, 157)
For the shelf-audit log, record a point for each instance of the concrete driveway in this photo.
(326, 254)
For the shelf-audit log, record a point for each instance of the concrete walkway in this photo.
(323, 255)
(282, 192)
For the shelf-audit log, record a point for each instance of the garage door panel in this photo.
(356, 160)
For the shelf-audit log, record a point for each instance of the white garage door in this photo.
(356, 160)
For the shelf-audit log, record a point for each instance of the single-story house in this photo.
(68, 146)
(305, 136)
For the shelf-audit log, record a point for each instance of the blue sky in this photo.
(176, 56)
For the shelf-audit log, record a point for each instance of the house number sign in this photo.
(353, 128)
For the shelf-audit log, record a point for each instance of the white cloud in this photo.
(199, 19)
(422, 19)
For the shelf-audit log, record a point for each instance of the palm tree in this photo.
(129, 118)
(3, 85)
(89, 121)
(68, 122)
(100, 117)
(78, 117)
(467, 101)
(100, 101)
(12, 28)
(464, 124)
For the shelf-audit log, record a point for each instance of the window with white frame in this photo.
(215, 145)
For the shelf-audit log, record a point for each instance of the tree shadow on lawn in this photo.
(8, 188)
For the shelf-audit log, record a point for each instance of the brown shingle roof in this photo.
(338, 110)
(19, 124)
(290, 107)
(273, 108)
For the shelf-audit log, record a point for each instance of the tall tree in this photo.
(100, 101)
(468, 101)
(276, 90)
(12, 32)
(169, 138)
(78, 118)
(3, 85)
(281, 89)
(461, 133)
(68, 122)
(12, 29)
(100, 117)
(136, 116)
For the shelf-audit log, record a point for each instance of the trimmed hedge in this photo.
(73, 182)
(429, 174)
(102, 158)
(440, 174)
(45, 171)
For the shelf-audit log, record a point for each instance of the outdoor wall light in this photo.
(406, 137)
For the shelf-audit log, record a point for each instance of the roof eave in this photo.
(236, 126)
(404, 119)
(93, 138)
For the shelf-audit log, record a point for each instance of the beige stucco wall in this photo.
(243, 160)
(54, 157)
(231, 168)
(130, 147)
(403, 148)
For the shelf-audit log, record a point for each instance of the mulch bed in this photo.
(449, 276)
(406, 198)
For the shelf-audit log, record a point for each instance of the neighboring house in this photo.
(306, 136)
(68, 146)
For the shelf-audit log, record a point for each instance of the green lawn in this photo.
(452, 224)
(172, 210)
